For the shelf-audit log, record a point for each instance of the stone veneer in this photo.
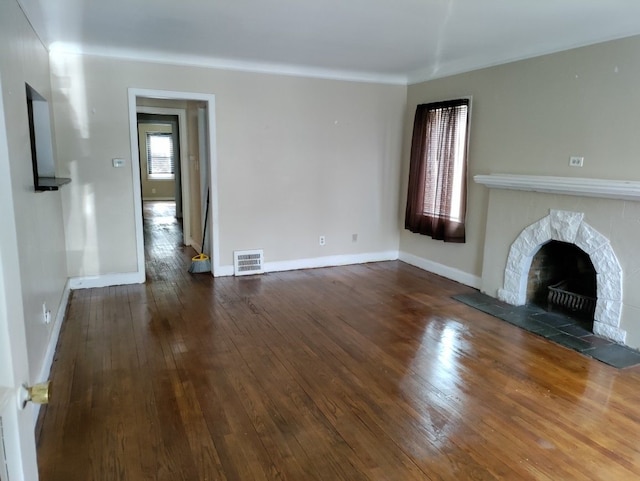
(569, 227)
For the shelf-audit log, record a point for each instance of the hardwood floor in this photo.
(366, 372)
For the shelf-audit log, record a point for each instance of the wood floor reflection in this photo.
(367, 372)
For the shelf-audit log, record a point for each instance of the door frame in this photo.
(213, 223)
(184, 164)
(17, 423)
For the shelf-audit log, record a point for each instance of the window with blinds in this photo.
(444, 165)
(160, 158)
(436, 196)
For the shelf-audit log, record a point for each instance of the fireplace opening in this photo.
(562, 278)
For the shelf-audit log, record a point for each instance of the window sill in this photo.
(47, 184)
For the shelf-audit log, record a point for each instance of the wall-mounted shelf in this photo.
(45, 184)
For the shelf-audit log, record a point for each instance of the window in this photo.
(160, 162)
(436, 197)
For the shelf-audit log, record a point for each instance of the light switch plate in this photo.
(117, 162)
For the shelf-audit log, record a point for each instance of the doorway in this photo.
(161, 163)
(162, 190)
(198, 165)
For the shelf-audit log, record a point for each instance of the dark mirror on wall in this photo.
(44, 172)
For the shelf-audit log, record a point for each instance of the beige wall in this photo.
(153, 188)
(529, 117)
(297, 158)
(39, 226)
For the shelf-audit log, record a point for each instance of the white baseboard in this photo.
(47, 362)
(315, 262)
(330, 261)
(442, 270)
(106, 280)
(295, 264)
(223, 271)
(341, 260)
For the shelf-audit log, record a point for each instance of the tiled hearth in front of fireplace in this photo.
(555, 326)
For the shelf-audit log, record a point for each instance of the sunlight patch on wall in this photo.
(69, 74)
(82, 238)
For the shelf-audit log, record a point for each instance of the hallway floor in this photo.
(165, 254)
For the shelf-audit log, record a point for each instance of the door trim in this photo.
(213, 227)
(14, 361)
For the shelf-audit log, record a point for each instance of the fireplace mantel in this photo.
(609, 189)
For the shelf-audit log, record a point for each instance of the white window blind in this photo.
(446, 137)
(160, 158)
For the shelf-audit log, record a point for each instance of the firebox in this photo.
(562, 278)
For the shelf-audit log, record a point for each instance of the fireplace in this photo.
(599, 216)
(570, 229)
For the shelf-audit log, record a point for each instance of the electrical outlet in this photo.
(576, 161)
(322, 240)
(354, 237)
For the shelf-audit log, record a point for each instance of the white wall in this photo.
(297, 158)
(529, 117)
(38, 216)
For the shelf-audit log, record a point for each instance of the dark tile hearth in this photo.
(557, 327)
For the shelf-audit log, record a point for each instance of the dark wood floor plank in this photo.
(358, 373)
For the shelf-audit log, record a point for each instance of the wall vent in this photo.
(248, 262)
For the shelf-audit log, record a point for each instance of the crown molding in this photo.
(233, 65)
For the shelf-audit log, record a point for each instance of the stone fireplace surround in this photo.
(569, 227)
(562, 220)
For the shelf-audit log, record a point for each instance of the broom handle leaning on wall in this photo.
(204, 229)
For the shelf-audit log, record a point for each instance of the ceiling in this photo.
(394, 41)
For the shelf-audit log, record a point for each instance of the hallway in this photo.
(165, 255)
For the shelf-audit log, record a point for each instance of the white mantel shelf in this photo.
(609, 189)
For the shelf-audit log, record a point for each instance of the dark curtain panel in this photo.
(431, 188)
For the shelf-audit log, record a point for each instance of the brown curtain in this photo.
(431, 171)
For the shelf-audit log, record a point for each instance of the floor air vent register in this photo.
(248, 262)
